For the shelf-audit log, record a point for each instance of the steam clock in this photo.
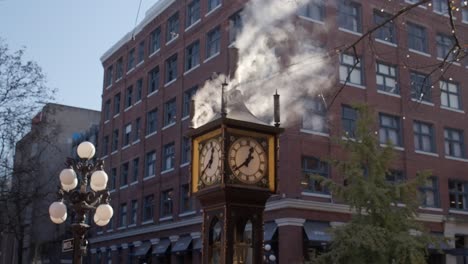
(233, 174)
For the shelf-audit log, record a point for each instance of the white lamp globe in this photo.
(58, 212)
(68, 179)
(104, 212)
(70, 186)
(272, 257)
(98, 180)
(58, 220)
(267, 247)
(86, 150)
(100, 222)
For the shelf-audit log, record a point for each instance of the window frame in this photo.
(128, 96)
(322, 169)
(192, 55)
(131, 60)
(124, 169)
(123, 215)
(417, 37)
(420, 81)
(445, 91)
(155, 41)
(166, 209)
(348, 122)
(350, 10)
(171, 69)
(136, 169)
(385, 77)
(419, 136)
(458, 194)
(434, 188)
(150, 164)
(449, 142)
(317, 110)
(386, 32)
(193, 13)
(168, 162)
(127, 134)
(172, 27)
(170, 112)
(313, 10)
(148, 208)
(396, 128)
(350, 68)
(153, 80)
(152, 121)
(213, 42)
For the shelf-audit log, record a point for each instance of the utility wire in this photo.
(136, 20)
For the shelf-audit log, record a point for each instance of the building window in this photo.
(139, 89)
(464, 10)
(131, 59)
(141, 51)
(314, 10)
(166, 203)
(117, 104)
(170, 112)
(124, 174)
(133, 216)
(136, 135)
(192, 55)
(314, 166)
(150, 164)
(386, 78)
(235, 26)
(128, 96)
(105, 146)
(349, 15)
(107, 106)
(169, 156)
(109, 72)
(315, 115)
(445, 44)
(186, 148)
(136, 167)
(153, 80)
(440, 6)
(155, 40)
(423, 136)
(450, 95)
(151, 121)
(349, 117)
(119, 72)
(213, 42)
(420, 87)
(113, 179)
(212, 4)
(454, 143)
(148, 205)
(115, 140)
(127, 135)
(123, 214)
(430, 193)
(458, 194)
(172, 30)
(185, 200)
(417, 37)
(351, 70)
(390, 130)
(171, 68)
(387, 31)
(188, 95)
(193, 13)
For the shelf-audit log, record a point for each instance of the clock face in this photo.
(210, 161)
(248, 160)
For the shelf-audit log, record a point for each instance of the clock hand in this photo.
(210, 161)
(247, 160)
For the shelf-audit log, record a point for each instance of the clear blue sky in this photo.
(67, 39)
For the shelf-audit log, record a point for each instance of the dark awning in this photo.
(161, 247)
(182, 244)
(317, 232)
(197, 244)
(269, 230)
(143, 249)
(458, 251)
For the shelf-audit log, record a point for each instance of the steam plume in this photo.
(275, 53)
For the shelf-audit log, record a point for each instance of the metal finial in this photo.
(223, 101)
(276, 109)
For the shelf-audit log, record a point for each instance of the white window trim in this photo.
(172, 40)
(434, 209)
(192, 69)
(212, 57)
(149, 177)
(449, 62)
(350, 31)
(123, 187)
(104, 157)
(114, 152)
(116, 115)
(128, 108)
(140, 63)
(126, 146)
(456, 158)
(353, 85)
(185, 164)
(311, 20)
(116, 81)
(188, 213)
(420, 52)
(185, 118)
(433, 154)
(386, 42)
(131, 225)
(168, 126)
(152, 93)
(303, 130)
(192, 25)
(151, 134)
(316, 194)
(389, 94)
(137, 102)
(456, 110)
(166, 218)
(455, 211)
(422, 102)
(171, 82)
(130, 71)
(167, 171)
(399, 148)
(109, 86)
(133, 183)
(154, 52)
(107, 121)
(147, 222)
(213, 10)
(136, 142)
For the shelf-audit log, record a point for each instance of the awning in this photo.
(317, 232)
(161, 247)
(182, 244)
(457, 251)
(143, 249)
(269, 231)
(197, 244)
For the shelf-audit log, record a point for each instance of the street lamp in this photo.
(84, 199)
(269, 256)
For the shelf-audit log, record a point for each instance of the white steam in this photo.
(275, 53)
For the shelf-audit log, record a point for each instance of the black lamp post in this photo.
(92, 195)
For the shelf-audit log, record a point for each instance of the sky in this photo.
(67, 38)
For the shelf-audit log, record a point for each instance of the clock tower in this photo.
(233, 173)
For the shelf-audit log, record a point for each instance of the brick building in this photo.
(153, 71)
